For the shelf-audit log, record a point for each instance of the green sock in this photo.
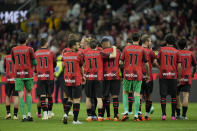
(22, 107)
(125, 102)
(137, 104)
(29, 103)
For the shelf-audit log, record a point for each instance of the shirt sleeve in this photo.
(32, 54)
(122, 57)
(81, 59)
(194, 62)
(144, 56)
(12, 55)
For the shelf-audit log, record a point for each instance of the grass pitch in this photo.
(55, 124)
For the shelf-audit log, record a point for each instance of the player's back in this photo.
(168, 58)
(72, 73)
(23, 56)
(133, 56)
(111, 66)
(93, 65)
(10, 70)
(188, 60)
(45, 60)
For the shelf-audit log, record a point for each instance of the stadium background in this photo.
(113, 19)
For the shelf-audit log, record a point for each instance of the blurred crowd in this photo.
(113, 19)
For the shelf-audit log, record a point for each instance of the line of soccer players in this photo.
(98, 70)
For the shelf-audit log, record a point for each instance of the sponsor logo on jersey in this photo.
(131, 75)
(110, 74)
(69, 81)
(43, 75)
(91, 76)
(10, 79)
(22, 73)
(169, 74)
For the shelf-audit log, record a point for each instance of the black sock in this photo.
(148, 106)
(68, 106)
(50, 103)
(178, 112)
(76, 108)
(15, 111)
(39, 109)
(107, 106)
(130, 97)
(8, 109)
(103, 109)
(43, 103)
(89, 112)
(163, 105)
(94, 104)
(140, 105)
(115, 105)
(64, 101)
(184, 111)
(173, 101)
(100, 112)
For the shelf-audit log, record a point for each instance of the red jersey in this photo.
(73, 62)
(133, 57)
(187, 59)
(150, 56)
(10, 70)
(65, 50)
(93, 65)
(111, 66)
(23, 56)
(168, 58)
(45, 59)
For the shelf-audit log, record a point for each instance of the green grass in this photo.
(55, 124)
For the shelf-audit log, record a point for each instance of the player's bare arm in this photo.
(113, 54)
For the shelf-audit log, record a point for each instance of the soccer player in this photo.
(45, 84)
(170, 64)
(147, 87)
(134, 58)
(10, 87)
(188, 61)
(24, 59)
(74, 77)
(111, 79)
(93, 68)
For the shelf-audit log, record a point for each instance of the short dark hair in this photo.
(182, 43)
(136, 36)
(145, 38)
(71, 43)
(105, 40)
(93, 43)
(170, 39)
(43, 41)
(22, 37)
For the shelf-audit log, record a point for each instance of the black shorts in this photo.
(111, 87)
(147, 88)
(74, 91)
(10, 90)
(168, 87)
(184, 88)
(94, 88)
(45, 87)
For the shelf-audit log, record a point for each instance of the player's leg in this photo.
(94, 104)
(50, 98)
(29, 85)
(99, 94)
(19, 86)
(178, 104)
(115, 91)
(186, 91)
(106, 98)
(149, 91)
(15, 94)
(137, 89)
(131, 100)
(7, 100)
(76, 93)
(126, 89)
(88, 91)
(173, 86)
(163, 94)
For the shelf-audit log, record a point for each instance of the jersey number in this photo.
(185, 59)
(41, 61)
(19, 59)
(109, 63)
(68, 66)
(90, 62)
(171, 60)
(131, 58)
